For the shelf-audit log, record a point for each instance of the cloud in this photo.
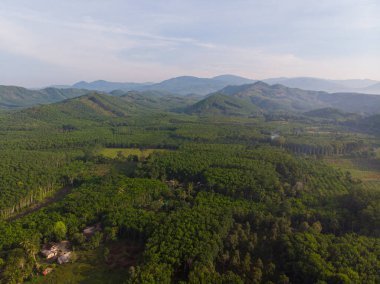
(150, 41)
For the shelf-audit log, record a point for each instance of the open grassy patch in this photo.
(90, 267)
(367, 170)
(115, 152)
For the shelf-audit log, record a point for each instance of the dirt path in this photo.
(60, 194)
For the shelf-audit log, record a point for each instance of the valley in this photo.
(236, 186)
(189, 142)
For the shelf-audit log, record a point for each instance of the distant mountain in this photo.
(278, 98)
(182, 85)
(306, 83)
(154, 100)
(185, 85)
(373, 89)
(233, 80)
(106, 86)
(12, 97)
(61, 86)
(356, 83)
(332, 86)
(220, 104)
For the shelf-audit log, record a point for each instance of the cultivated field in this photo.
(367, 170)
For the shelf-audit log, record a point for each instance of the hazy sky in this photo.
(59, 42)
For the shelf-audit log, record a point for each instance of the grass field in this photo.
(367, 170)
(114, 152)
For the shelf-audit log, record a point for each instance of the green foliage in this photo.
(226, 200)
(220, 104)
(16, 97)
(59, 231)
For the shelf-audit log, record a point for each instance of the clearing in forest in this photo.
(141, 153)
(365, 169)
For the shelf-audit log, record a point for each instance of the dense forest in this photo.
(210, 192)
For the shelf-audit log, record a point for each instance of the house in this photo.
(53, 251)
(48, 254)
(64, 258)
(50, 251)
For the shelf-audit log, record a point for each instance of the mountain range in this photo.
(250, 100)
(235, 94)
(184, 85)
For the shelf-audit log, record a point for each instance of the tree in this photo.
(59, 230)
(17, 267)
(31, 247)
(317, 227)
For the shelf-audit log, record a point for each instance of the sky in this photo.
(46, 42)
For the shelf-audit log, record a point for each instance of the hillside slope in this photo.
(331, 114)
(156, 101)
(280, 98)
(92, 108)
(220, 104)
(12, 97)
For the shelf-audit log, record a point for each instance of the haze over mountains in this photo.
(184, 85)
(225, 94)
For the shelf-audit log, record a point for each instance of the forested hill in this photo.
(97, 109)
(12, 97)
(223, 105)
(280, 98)
(155, 100)
(370, 124)
(91, 107)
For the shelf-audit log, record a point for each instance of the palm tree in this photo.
(31, 247)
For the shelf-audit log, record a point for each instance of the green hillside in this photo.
(370, 124)
(278, 98)
(93, 107)
(154, 100)
(223, 105)
(275, 98)
(12, 97)
(331, 114)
